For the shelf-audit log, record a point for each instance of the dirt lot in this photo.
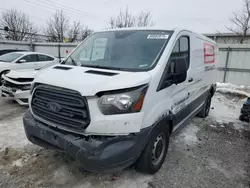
(214, 152)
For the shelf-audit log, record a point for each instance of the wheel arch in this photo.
(1, 73)
(212, 89)
(165, 120)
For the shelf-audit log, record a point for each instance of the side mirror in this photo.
(22, 61)
(179, 69)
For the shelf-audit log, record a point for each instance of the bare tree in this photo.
(85, 32)
(57, 27)
(126, 19)
(241, 22)
(123, 19)
(74, 31)
(145, 19)
(17, 25)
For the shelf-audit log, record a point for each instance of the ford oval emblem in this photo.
(54, 107)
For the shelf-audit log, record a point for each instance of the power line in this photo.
(31, 35)
(24, 33)
(40, 5)
(3, 10)
(60, 7)
(49, 6)
(68, 7)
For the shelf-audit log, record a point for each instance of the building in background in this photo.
(227, 38)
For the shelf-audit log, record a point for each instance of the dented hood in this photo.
(28, 73)
(90, 83)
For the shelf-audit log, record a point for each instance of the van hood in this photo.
(90, 83)
(29, 73)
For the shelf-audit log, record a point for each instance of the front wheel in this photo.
(155, 152)
(206, 107)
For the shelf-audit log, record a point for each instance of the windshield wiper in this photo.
(102, 67)
(73, 61)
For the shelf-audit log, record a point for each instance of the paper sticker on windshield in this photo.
(157, 36)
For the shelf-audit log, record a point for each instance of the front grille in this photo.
(62, 107)
(13, 86)
(10, 84)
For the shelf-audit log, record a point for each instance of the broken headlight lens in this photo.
(26, 87)
(127, 101)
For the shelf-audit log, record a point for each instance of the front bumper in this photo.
(96, 154)
(20, 96)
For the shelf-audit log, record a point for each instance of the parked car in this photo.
(118, 97)
(24, 60)
(17, 84)
(5, 51)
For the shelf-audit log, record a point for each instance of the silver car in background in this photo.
(16, 84)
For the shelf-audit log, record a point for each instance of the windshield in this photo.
(127, 50)
(10, 57)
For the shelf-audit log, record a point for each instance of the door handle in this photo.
(190, 79)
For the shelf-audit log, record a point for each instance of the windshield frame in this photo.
(154, 63)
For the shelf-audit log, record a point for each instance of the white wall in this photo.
(5, 45)
(53, 48)
(239, 57)
(239, 60)
(48, 48)
(228, 39)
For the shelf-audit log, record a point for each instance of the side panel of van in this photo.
(201, 72)
(165, 98)
(184, 98)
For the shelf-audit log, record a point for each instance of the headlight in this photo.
(26, 87)
(32, 86)
(122, 102)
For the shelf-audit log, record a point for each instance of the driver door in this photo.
(31, 62)
(178, 94)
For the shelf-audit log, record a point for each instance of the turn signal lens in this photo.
(137, 107)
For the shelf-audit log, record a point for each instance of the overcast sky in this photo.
(204, 16)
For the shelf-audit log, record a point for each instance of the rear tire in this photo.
(155, 151)
(206, 107)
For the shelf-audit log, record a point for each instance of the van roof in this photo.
(176, 30)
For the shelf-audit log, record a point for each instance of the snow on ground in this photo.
(233, 89)
(16, 137)
(12, 132)
(211, 152)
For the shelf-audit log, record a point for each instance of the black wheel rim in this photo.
(158, 149)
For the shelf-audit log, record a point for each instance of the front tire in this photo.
(155, 151)
(206, 107)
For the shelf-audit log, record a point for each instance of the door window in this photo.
(180, 52)
(45, 58)
(30, 58)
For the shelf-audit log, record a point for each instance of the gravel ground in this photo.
(211, 152)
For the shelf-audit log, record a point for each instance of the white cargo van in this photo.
(118, 97)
